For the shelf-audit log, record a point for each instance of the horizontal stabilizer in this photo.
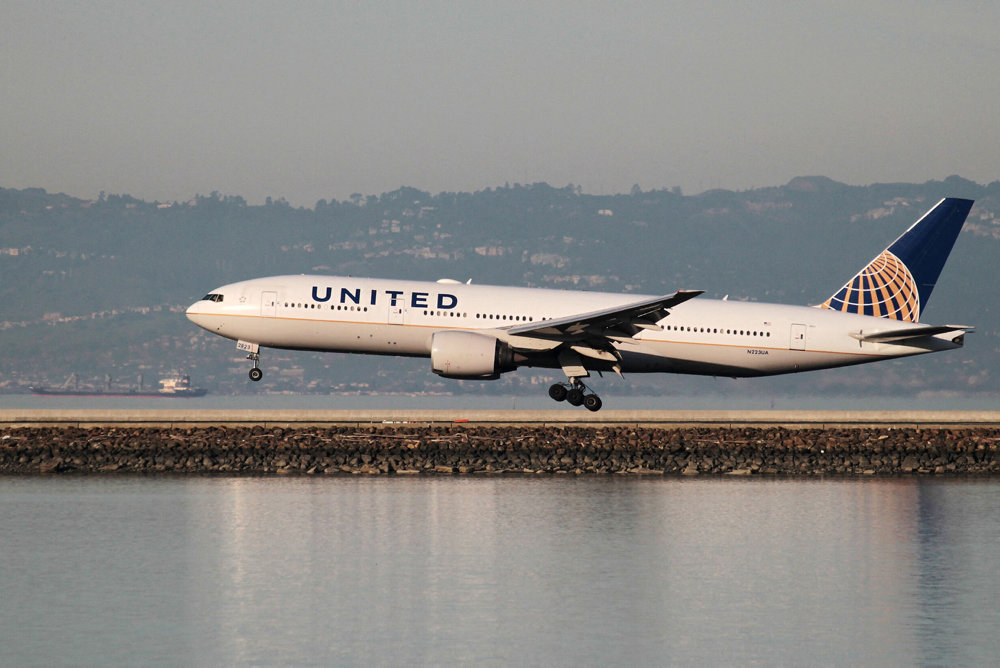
(909, 333)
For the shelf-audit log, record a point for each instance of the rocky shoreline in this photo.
(452, 449)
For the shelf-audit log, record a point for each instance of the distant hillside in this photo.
(99, 287)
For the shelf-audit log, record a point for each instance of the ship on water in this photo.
(176, 386)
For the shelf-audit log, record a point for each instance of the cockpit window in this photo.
(212, 297)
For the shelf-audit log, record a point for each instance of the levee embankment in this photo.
(675, 418)
(968, 445)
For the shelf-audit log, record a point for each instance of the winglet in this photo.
(898, 283)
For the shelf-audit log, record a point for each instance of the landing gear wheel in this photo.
(558, 392)
(574, 397)
(255, 372)
(592, 403)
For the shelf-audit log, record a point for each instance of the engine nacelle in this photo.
(465, 355)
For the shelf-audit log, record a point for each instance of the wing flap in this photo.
(597, 354)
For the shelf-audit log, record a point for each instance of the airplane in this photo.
(482, 331)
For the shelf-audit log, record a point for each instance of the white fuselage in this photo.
(397, 317)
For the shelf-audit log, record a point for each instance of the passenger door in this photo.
(268, 304)
(798, 339)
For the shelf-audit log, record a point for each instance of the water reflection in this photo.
(956, 552)
(500, 570)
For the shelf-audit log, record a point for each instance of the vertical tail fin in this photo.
(898, 283)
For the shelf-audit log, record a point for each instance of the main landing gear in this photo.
(255, 373)
(576, 394)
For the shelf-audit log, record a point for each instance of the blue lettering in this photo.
(393, 296)
(396, 297)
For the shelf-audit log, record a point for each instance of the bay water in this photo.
(548, 570)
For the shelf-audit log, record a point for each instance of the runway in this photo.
(306, 418)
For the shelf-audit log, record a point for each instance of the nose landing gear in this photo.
(576, 393)
(253, 354)
(255, 373)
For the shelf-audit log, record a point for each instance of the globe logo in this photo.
(885, 289)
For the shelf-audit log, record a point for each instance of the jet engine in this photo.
(464, 355)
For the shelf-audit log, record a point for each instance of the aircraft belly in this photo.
(648, 357)
(690, 358)
(333, 336)
(732, 361)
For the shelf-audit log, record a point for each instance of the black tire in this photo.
(558, 392)
(256, 374)
(574, 397)
(592, 403)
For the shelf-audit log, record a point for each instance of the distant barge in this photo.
(172, 387)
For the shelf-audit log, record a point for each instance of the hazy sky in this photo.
(311, 100)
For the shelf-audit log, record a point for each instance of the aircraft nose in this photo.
(196, 313)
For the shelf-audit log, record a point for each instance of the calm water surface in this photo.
(554, 570)
(751, 399)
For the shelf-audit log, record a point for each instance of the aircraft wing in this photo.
(619, 323)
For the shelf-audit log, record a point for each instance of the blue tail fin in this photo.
(898, 283)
